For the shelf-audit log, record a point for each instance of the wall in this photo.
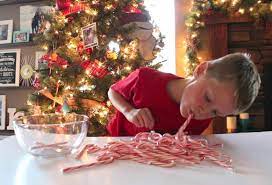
(16, 96)
(182, 8)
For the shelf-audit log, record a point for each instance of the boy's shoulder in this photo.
(147, 71)
(153, 73)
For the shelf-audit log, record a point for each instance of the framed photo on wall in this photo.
(32, 18)
(6, 28)
(2, 112)
(20, 36)
(89, 36)
(9, 67)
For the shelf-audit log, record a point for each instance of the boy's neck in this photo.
(175, 88)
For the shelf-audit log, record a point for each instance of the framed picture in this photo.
(9, 67)
(20, 36)
(38, 56)
(6, 28)
(2, 112)
(32, 18)
(89, 36)
(27, 70)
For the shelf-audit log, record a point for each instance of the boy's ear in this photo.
(201, 69)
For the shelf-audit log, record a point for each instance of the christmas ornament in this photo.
(67, 8)
(80, 48)
(27, 71)
(55, 60)
(89, 51)
(58, 109)
(65, 107)
(96, 69)
(132, 9)
(36, 83)
(63, 4)
(143, 32)
(89, 34)
(111, 55)
(85, 64)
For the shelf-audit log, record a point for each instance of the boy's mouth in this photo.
(190, 112)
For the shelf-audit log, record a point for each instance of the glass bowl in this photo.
(51, 135)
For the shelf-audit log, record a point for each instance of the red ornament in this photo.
(97, 70)
(74, 8)
(58, 109)
(70, 19)
(85, 64)
(55, 60)
(89, 50)
(80, 48)
(132, 9)
(36, 83)
(46, 57)
(210, 11)
(63, 4)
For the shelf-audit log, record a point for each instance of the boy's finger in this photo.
(146, 120)
(150, 117)
(140, 121)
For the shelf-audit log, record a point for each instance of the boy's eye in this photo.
(207, 98)
(214, 113)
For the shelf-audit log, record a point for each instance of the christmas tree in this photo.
(89, 46)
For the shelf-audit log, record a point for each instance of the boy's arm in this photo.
(139, 117)
(119, 102)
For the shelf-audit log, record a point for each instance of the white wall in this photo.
(163, 14)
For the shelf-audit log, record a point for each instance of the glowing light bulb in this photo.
(113, 46)
(241, 11)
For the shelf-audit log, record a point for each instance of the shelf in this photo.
(10, 2)
(14, 45)
(6, 132)
(17, 87)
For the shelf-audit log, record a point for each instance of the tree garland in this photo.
(259, 10)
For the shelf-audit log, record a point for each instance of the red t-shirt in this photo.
(146, 88)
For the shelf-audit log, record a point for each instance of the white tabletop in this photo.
(251, 154)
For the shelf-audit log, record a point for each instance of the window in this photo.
(162, 12)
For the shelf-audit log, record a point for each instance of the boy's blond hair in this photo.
(237, 68)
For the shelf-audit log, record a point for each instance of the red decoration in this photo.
(80, 48)
(58, 109)
(36, 83)
(89, 50)
(55, 60)
(96, 70)
(74, 8)
(132, 9)
(85, 64)
(210, 11)
(63, 4)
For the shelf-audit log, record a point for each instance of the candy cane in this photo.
(53, 145)
(70, 169)
(156, 149)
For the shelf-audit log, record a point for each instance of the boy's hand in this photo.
(140, 117)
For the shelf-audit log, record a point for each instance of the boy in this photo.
(151, 100)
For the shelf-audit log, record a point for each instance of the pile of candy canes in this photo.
(156, 149)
